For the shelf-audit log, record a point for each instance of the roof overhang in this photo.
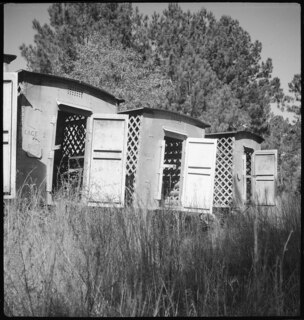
(197, 122)
(23, 73)
(235, 133)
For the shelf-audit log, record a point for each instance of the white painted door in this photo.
(10, 83)
(264, 166)
(105, 160)
(199, 172)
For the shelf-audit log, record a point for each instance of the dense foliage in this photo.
(286, 138)
(181, 61)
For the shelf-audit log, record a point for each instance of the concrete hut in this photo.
(244, 173)
(58, 130)
(169, 162)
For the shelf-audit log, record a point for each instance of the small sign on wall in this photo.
(31, 142)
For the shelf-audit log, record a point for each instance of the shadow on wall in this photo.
(237, 200)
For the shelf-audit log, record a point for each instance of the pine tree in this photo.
(197, 65)
(191, 47)
(121, 71)
(286, 138)
(71, 24)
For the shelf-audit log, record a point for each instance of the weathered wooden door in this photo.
(105, 160)
(264, 166)
(10, 83)
(199, 169)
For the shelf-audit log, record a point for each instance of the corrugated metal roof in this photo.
(198, 122)
(22, 73)
(233, 133)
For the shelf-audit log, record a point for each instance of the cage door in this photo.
(247, 175)
(199, 172)
(10, 82)
(105, 160)
(264, 165)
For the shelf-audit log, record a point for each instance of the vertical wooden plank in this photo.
(244, 193)
(10, 83)
(7, 131)
(160, 170)
(87, 159)
(50, 165)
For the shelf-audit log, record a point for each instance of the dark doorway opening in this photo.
(172, 172)
(70, 149)
(248, 153)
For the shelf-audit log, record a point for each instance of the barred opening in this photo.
(75, 91)
(248, 153)
(69, 158)
(172, 171)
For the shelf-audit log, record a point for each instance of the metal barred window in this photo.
(223, 184)
(75, 91)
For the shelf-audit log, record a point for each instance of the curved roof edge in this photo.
(199, 123)
(234, 133)
(22, 73)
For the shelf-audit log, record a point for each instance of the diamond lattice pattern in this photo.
(73, 147)
(132, 155)
(172, 171)
(74, 136)
(223, 183)
(248, 153)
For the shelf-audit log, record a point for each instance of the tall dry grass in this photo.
(71, 260)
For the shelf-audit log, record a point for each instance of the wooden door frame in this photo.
(13, 78)
(69, 108)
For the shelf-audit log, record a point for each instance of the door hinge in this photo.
(51, 154)
(56, 147)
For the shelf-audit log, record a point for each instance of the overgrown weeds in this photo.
(72, 260)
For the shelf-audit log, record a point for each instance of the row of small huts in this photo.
(57, 130)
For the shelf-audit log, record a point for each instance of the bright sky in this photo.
(276, 25)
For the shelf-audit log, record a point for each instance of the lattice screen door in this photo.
(223, 183)
(247, 174)
(69, 150)
(134, 131)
